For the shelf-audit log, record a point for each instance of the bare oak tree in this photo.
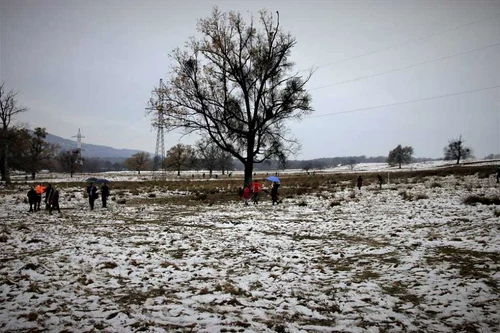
(455, 150)
(137, 162)
(180, 157)
(9, 107)
(235, 85)
(400, 155)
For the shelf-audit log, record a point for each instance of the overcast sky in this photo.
(388, 72)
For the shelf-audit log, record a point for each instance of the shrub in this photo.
(121, 201)
(152, 195)
(420, 196)
(435, 185)
(335, 203)
(405, 195)
(201, 196)
(302, 190)
(475, 199)
(303, 203)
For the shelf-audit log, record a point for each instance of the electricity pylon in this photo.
(78, 150)
(157, 106)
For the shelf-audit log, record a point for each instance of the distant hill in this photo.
(90, 150)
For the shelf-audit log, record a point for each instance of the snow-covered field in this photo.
(338, 260)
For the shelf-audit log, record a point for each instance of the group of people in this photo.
(253, 191)
(51, 200)
(93, 195)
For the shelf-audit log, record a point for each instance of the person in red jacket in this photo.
(256, 186)
(246, 195)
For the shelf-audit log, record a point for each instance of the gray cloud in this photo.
(92, 65)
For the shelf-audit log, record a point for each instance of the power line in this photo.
(402, 43)
(406, 67)
(402, 103)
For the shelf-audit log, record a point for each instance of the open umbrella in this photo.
(102, 181)
(92, 180)
(273, 179)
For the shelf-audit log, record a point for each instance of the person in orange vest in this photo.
(39, 189)
(255, 187)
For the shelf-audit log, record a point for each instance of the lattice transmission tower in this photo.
(78, 150)
(157, 105)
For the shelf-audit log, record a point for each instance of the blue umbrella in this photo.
(102, 181)
(273, 179)
(92, 180)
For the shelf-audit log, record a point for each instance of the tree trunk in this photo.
(33, 175)
(400, 165)
(458, 159)
(249, 160)
(6, 175)
(139, 172)
(248, 171)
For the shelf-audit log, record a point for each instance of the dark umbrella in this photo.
(102, 181)
(273, 179)
(92, 180)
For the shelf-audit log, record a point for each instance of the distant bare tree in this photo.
(69, 161)
(209, 154)
(9, 107)
(92, 165)
(306, 166)
(400, 155)
(352, 163)
(455, 150)
(225, 162)
(138, 162)
(39, 152)
(180, 157)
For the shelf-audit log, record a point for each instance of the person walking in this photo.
(274, 193)
(48, 193)
(360, 182)
(92, 192)
(32, 197)
(380, 180)
(54, 201)
(246, 195)
(104, 194)
(39, 189)
(255, 187)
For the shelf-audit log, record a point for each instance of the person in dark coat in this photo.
(54, 201)
(274, 193)
(104, 194)
(360, 182)
(380, 180)
(32, 198)
(48, 192)
(92, 192)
